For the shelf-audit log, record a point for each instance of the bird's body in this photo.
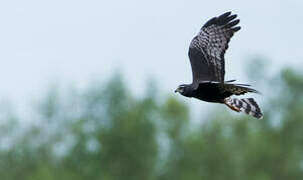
(210, 92)
(206, 54)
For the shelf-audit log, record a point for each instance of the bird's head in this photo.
(184, 89)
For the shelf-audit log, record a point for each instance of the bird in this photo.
(206, 55)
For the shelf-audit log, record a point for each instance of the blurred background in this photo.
(87, 92)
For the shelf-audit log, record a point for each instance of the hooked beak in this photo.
(177, 90)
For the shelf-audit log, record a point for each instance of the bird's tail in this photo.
(247, 105)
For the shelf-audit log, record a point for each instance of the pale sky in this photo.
(75, 42)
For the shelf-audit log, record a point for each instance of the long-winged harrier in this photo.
(206, 54)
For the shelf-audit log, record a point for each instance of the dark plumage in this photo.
(206, 54)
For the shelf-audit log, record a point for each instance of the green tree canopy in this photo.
(106, 132)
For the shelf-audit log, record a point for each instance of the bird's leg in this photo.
(228, 104)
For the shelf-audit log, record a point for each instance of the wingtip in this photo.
(225, 14)
(255, 91)
(237, 28)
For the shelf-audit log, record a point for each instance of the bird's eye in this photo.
(181, 89)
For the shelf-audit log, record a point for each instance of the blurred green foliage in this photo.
(108, 133)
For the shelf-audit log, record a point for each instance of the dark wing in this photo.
(207, 49)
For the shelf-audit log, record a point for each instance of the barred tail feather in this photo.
(247, 105)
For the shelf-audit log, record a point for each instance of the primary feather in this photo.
(207, 49)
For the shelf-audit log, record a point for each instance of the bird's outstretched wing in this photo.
(207, 49)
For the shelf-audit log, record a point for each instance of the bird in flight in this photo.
(206, 54)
